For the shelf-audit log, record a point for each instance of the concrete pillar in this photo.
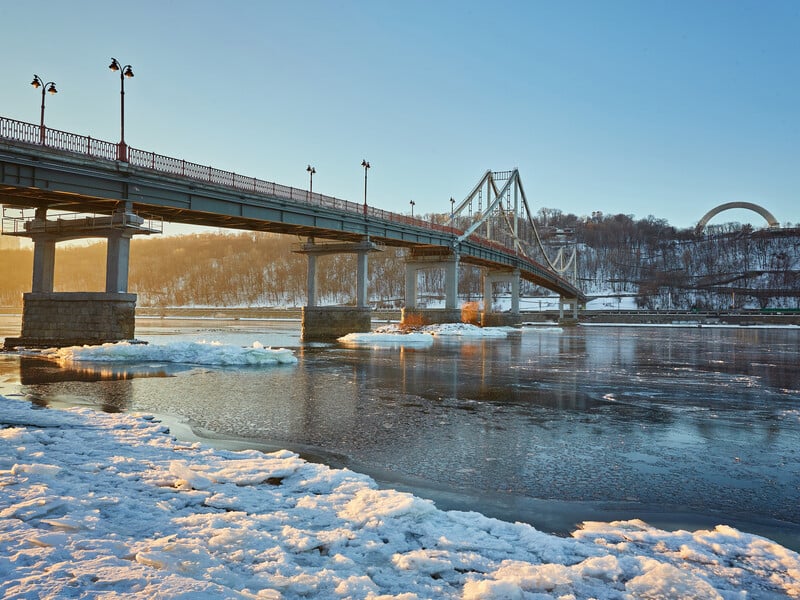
(74, 318)
(492, 277)
(327, 323)
(44, 263)
(44, 254)
(118, 253)
(515, 279)
(360, 249)
(451, 284)
(312, 280)
(574, 305)
(411, 285)
(362, 282)
(488, 288)
(489, 318)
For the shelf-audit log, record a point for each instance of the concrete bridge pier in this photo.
(44, 255)
(451, 313)
(568, 303)
(325, 323)
(75, 318)
(490, 318)
(118, 252)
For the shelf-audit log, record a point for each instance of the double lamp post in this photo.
(50, 88)
(126, 71)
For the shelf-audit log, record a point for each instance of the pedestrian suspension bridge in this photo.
(57, 186)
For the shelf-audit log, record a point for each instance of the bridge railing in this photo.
(19, 131)
(19, 221)
(29, 133)
(58, 140)
(78, 144)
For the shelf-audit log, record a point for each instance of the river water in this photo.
(683, 427)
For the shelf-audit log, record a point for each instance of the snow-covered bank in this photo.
(94, 504)
(684, 324)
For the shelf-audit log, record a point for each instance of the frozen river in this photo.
(682, 427)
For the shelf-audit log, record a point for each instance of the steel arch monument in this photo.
(770, 219)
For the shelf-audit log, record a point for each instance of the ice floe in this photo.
(110, 505)
(394, 334)
(195, 353)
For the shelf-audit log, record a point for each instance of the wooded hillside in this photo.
(660, 265)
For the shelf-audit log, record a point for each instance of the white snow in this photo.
(196, 353)
(694, 324)
(109, 505)
(465, 330)
(388, 335)
(395, 334)
(540, 328)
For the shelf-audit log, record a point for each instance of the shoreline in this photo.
(556, 517)
(553, 516)
(224, 524)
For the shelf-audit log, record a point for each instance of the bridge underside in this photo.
(36, 177)
(431, 252)
(69, 185)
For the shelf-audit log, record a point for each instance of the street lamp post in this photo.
(126, 71)
(365, 164)
(412, 203)
(49, 87)
(311, 170)
(452, 208)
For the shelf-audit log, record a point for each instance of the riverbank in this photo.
(641, 317)
(249, 525)
(633, 317)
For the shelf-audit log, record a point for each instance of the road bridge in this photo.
(61, 171)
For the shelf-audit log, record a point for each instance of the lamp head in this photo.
(36, 82)
(114, 66)
(365, 164)
(51, 89)
(128, 72)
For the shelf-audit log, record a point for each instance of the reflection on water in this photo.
(33, 370)
(695, 425)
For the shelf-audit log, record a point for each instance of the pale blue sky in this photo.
(635, 107)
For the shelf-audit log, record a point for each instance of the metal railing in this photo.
(28, 133)
(18, 221)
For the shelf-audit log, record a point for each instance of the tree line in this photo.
(663, 267)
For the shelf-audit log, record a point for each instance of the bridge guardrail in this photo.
(84, 145)
(22, 222)
(28, 133)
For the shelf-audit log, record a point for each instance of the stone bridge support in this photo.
(490, 318)
(325, 323)
(74, 318)
(451, 313)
